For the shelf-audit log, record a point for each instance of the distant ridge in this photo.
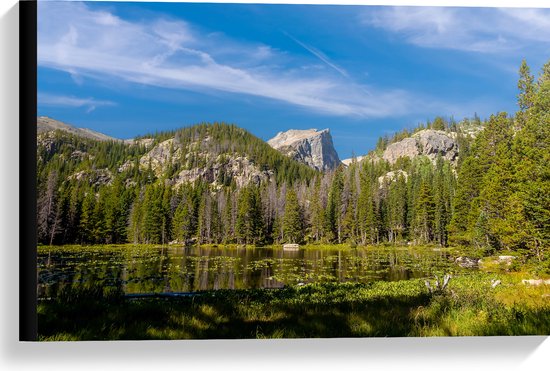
(45, 124)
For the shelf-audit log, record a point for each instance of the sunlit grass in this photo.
(470, 306)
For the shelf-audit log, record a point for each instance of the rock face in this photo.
(311, 147)
(408, 147)
(45, 124)
(430, 143)
(238, 169)
(216, 170)
(95, 177)
(161, 156)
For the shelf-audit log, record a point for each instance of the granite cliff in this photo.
(429, 143)
(311, 147)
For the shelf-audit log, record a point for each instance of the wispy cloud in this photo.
(90, 104)
(319, 55)
(486, 30)
(172, 53)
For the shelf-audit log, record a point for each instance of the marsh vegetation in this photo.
(87, 293)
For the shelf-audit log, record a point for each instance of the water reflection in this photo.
(160, 269)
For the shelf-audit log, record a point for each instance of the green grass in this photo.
(469, 306)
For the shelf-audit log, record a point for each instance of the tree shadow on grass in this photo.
(226, 315)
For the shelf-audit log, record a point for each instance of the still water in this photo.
(146, 269)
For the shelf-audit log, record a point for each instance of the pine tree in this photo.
(249, 224)
(334, 214)
(293, 220)
(397, 208)
(467, 190)
(526, 87)
(317, 212)
(184, 221)
(205, 219)
(424, 218)
(442, 185)
(87, 219)
(135, 233)
(367, 214)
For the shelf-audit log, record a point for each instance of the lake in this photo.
(154, 269)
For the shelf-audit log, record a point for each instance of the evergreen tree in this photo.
(249, 224)
(293, 220)
(424, 218)
(88, 218)
(397, 208)
(334, 215)
(184, 221)
(367, 213)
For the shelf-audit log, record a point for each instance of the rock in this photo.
(291, 247)
(404, 148)
(436, 142)
(95, 177)
(48, 142)
(79, 155)
(538, 282)
(239, 169)
(125, 166)
(429, 143)
(162, 155)
(466, 262)
(311, 147)
(146, 142)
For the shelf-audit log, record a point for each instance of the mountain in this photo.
(216, 154)
(311, 147)
(45, 124)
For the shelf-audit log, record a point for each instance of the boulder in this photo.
(466, 262)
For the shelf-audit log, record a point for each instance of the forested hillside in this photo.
(217, 183)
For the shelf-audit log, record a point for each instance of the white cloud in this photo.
(320, 55)
(90, 104)
(488, 30)
(171, 53)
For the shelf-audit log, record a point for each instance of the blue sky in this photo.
(126, 69)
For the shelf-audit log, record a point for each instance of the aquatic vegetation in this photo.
(156, 268)
(470, 306)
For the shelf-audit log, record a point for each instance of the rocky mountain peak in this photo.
(312, 147)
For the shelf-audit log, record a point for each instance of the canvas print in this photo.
(210, 171)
